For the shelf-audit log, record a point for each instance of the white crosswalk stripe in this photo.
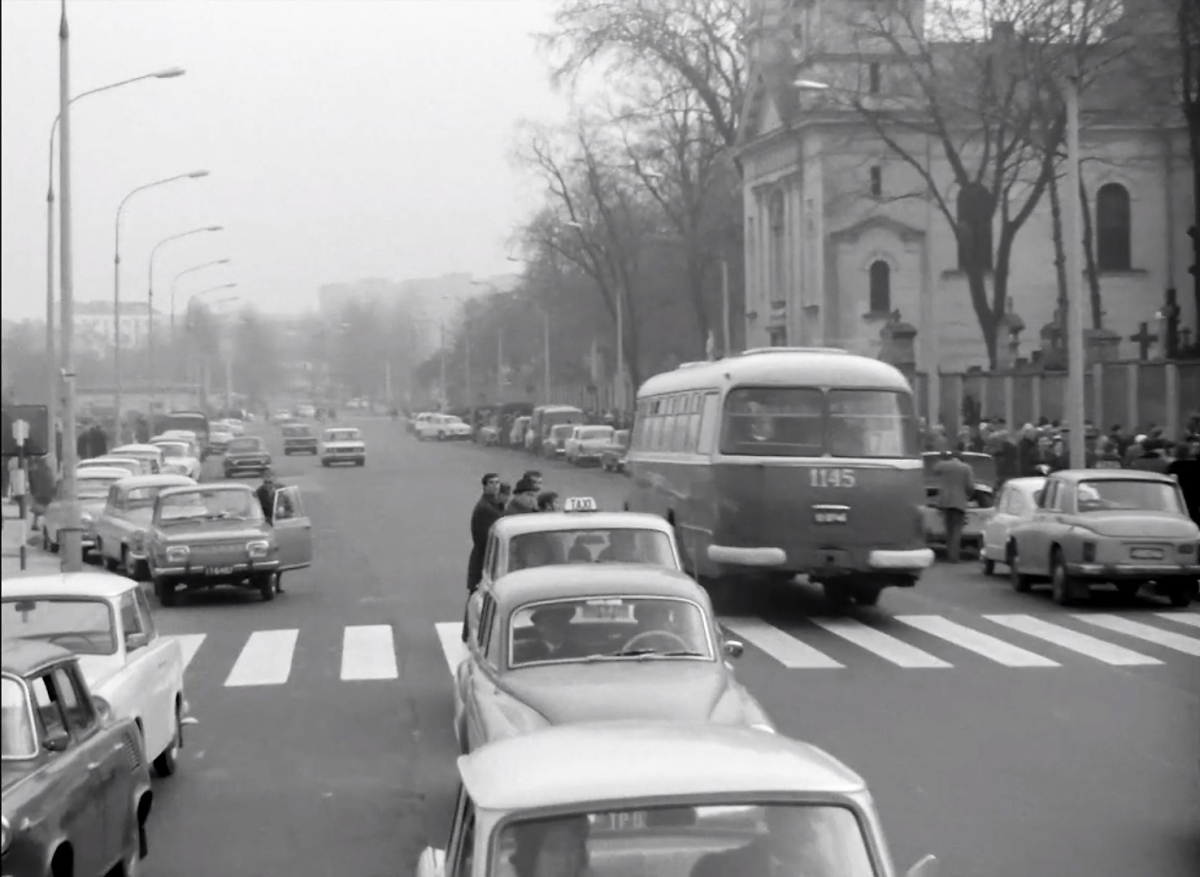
(974, 641)
(368, 652)
(786, 649)
(1189, 618)
(884, 645)
(1073, 640)
(266, 659)
(1166, 638)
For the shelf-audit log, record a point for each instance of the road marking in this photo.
(784, 648)
(1073, 640)
(455, 650)
(266, 659)
(974, 641)
(189, 644)
(368, 652)
(1190, 618)
(877, 642)
(1165, 638)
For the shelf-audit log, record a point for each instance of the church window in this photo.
(974, 220)
(881, 287)
(1113, 228)
(874, 76)
(778, 239)
(876, 181)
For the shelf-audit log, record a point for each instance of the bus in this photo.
(546, 416)
(196, 421)
(781, 462)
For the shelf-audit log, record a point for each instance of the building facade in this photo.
(844, 233)
(95, 329)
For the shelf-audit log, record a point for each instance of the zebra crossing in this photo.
(267, 658)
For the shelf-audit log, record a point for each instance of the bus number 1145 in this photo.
(831, 477)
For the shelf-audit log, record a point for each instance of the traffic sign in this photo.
(24, 429)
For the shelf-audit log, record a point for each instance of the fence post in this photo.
(1035, 390)
(1174, 405)
(1131, 399)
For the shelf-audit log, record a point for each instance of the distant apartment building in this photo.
(94, 329)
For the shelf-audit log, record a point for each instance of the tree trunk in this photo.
(1060, 253)
(1089, 259)
(977, 284)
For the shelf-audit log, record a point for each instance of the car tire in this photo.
(265, 583)
(1128, 590)
(164, 590)
(325, 463)
(867, 595)
(1062, 586)
(1021, 583)
(360, 462)
(837, 596)
(168, 760)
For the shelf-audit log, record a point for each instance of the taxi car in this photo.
(130, 465)
(443, 427)
(1121, 526)
(246, 455)
(587, 444)
(201, 536)
(76, 784)
(298, 438)
(149, 455)
(91, 492)
(612, 457)
(105, 620)
(984, 468)
(180, 456)
(1015, 504)
(343, 444)
(660, 798)
(564, 644)
(125, 515)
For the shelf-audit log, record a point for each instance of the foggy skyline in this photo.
(344, 140)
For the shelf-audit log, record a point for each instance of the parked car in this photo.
(91, 491)
(76, 780)
(983, 466)
(105, 620)
(1015, 504)
(612, 457)
(555, 443)
(343, 444)
(151, 456)
(443, 427)
(219, 439)
(516, 436)
(130, 465)
(246, 455)
(180, 457)
(125, 515)
(587, 443)
(298, 438)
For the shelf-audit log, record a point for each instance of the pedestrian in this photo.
(547, 501)
(266, 498)
(955, 483)
(1186, 470)
(524, 500)
(535, 476)
(486, 512)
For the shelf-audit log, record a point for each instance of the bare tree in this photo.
(257, 363)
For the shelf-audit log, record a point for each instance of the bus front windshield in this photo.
(808, 422)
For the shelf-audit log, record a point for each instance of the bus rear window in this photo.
(805, 422)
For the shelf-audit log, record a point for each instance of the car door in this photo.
(293, 530)
(460, 849)
(475, 675)
(148, 671)
(996, 526)
(1034, 547)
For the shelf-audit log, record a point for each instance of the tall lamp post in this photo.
(200, 374)
(117, 342)
(51, 341)
(175, 286)
(1072, 233)
(150, 302)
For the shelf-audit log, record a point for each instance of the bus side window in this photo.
(670, 437)
(710, 423)
(693, 423)
(654, 426)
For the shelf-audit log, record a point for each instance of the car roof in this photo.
(638, 759)
(1076, 475)
(577, 580)
(154, 481)
(89, 473)
(134, 447)
(248, 438)
(541, 522)
(113, 457)
(208, 485)
(68, 584)
(21, 657)
(1028, 482)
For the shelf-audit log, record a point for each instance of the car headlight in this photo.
(178, 554)
(86, 518)
(260, 548)
(5, 834)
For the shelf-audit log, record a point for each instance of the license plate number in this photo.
(626, 820)
(1146, 554)
(218, 570)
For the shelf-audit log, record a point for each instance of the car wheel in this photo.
(867, 595)
(325, 463)
(168, 760)
(837, 596)
(265, 583)
(1062, 586)
(165, 592)
(1021, 583)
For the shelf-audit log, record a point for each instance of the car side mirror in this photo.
(927, 867)
(135, 641)
(732, 648)
(57, 741)
(433, 863)
(103, 707)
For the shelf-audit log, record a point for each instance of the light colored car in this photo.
(1121, 526)
(180, 457)
(516, 436)
(612, 457)
(676, 799)
(151, 456)
(219, 439)
(420, 417)
(555, 443)
(1015, 504)
(980, 511)
(130, 465)
(298, 438)
(208, 535)
(126, 515)
(583, 643)
(443, 427)
(91, 490)
(105, 620)
(306, 410)
(282, 416)
(343, 444)
(489, 435)
(587, 444)
(233, 425)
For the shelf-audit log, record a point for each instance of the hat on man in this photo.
(526, 485)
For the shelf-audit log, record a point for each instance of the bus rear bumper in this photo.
(912, 559)
(758, 557)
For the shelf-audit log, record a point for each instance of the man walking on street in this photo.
(487, 511)
(955, 483)
(266, 498)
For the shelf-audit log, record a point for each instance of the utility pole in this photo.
(725, 328)
(1072, 233)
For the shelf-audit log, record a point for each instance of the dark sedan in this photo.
(246, 455)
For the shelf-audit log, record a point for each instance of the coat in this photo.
(486, 513)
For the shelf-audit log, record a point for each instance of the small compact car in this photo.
(443, 427)
(554, 445)
(661, 798)
(1121, 526)
(180, 457)
(218, 440)
(91, 491)
(151, 456)
(246, 455)
(127, 513)
(130, 465)
(1015, 504)
(105, 620)
(343, 445)
(612, 457)
(587, 443)
(585, 643)
(984, 468)
(298, 438)
(75, 776)
(207, 535)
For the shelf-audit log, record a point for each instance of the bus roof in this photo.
(780, 367)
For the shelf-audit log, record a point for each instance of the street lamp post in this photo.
(117, 342)
(52, 377)
(174, 288)
(200, 369)
(1072, 225)
(150, 304)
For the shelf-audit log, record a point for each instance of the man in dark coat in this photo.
(1186, 470)
(525, 496)
(487, 511)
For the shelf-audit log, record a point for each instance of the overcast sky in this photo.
(346, 139)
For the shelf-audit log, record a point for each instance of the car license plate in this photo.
(1146, 554)
(218, 570)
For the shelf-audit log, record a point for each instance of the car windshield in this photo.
(563, 431)
(17, 739)
(214, 504)
(550, 547)
(245, 444)
(1129, 494)
(94, 488)
(807, 422)
(144, 497)
(81, 625)
(296, 431)
(595, 432)
(341, 435)
(590, 629)
(752, 840)
(173, 450)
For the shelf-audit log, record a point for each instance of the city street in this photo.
(1002, 733)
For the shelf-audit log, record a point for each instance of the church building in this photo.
(844, 234)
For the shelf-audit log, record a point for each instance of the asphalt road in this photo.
(1005, 735)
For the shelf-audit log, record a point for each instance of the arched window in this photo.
(1113, 228)
(974, 215)
(881, 287)
(778, 245)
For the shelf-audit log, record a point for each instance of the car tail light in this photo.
(1089, 552)
(258, 549)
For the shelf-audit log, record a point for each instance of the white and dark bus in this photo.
(782, 462)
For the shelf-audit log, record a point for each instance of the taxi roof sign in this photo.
(580, 504)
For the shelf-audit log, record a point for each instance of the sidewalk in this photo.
(37, 562)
